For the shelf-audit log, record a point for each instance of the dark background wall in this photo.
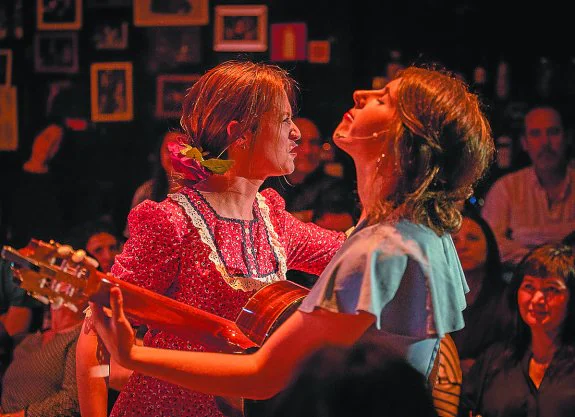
(457, 34)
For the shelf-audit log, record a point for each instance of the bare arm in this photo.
(258, 376)
(92, 390)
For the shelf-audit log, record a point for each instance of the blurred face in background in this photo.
(545, 139)
(471, 245)
(309, 147)
(104, 247)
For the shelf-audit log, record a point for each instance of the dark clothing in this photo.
(485, 324)
(511, 393)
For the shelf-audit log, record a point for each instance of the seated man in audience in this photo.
(534, 205)
(41, 379)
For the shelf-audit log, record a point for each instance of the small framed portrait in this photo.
(170, 92)
(59, 14)
(8, 118)
(56, 52)
(241, 28)
(171, 12)
(318, 52)
(110, 35)
(111, 93)
(289, 41)
(173, 47)
(5, 67)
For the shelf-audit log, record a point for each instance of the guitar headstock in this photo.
(50, 277)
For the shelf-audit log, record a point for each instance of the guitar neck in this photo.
(164, 313)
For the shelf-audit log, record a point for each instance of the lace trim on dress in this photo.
(236, 282)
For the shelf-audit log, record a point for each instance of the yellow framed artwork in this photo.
(111, 93)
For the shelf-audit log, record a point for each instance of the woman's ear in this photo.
(234, 136)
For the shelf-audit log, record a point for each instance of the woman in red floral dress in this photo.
(218, 240)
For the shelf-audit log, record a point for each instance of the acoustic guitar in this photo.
(51, 278)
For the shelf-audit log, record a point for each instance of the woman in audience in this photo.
(533, 371)
(486, 315)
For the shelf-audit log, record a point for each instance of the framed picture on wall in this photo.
(5, 67)
(241, 28)
(170, 92)
(173, 47)
(111, 93)
(110, 35)
(56, 52)
(59, 14)
(171, 12)
(8, 118)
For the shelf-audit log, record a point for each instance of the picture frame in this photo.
(171, 12)
(56, 52)
(173, 47)
(241, 28)
(5, 67)
(8, 118)
(288, 41)
(59, 14)
(110, 35)
(319, 52)
(111, 92)
(170, 92)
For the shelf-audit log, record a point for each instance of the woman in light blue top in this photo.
(419, 145)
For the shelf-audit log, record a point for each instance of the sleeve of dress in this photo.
(64, 403)
(410, 288)
(309, 248)
(151, 256)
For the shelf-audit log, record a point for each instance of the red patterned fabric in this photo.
(181, 248)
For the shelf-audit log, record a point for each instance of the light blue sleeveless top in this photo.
(404, 274)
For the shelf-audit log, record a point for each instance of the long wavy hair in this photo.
(444, 145)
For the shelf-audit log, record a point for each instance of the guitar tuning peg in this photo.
(71, 307)
(41, 298)
(58, 302)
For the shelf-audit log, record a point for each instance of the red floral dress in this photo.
(183, 249)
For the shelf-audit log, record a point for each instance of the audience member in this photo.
(19, 314)
(367, 379)
(157, 187)
(534, 205)
(486, 314)
(532, 372)
(316, 190)
(41, 379)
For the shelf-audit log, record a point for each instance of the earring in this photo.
(378, 161)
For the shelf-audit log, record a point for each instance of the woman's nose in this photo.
(359, 98)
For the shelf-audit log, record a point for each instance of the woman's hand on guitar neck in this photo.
(116, 332)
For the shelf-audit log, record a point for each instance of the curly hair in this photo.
(444, 146)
